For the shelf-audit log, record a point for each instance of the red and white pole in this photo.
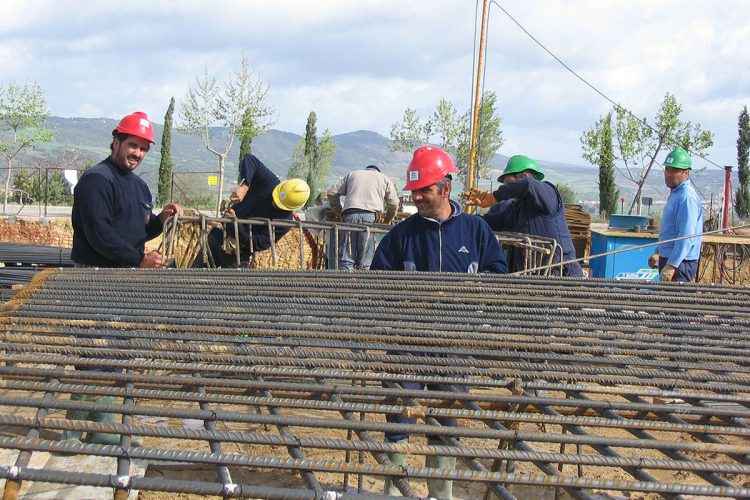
(727, 197)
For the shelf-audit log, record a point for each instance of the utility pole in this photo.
(477, 100)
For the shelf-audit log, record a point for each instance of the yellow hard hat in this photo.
(291, 194)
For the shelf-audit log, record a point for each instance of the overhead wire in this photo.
(585, 82)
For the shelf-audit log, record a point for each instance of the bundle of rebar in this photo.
(587, 386)
(23, 254)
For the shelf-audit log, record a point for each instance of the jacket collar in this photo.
(455, 212)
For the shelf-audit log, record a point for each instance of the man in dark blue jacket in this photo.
(528, 205)
(112, 220)
(112, 212)
(439, 238)
(260, 195)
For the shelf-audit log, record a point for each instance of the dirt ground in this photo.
(462, 490)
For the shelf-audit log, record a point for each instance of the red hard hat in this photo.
(136, 124)
(428, 166)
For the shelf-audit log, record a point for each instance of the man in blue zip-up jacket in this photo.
(529, 205)
(439, 238)
(682, 216)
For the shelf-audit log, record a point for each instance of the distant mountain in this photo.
(91, 138)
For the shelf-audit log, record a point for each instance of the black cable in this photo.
(589, 84)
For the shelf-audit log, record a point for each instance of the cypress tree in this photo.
(742, 195)
(606, 161)
(166, 165)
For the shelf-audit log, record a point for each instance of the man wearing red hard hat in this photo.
(112, 209)
(112, 220)
(439, 238)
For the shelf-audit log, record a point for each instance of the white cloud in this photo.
(360, 64)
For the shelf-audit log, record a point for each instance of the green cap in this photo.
(679, 158)
(521, 163)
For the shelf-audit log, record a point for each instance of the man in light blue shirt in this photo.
(682, 216)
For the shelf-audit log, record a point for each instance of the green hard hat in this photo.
(521, 163)
(679, 158)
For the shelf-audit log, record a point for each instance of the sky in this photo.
(360, 63)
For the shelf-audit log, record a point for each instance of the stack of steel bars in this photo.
(586, 386)
(21, 261)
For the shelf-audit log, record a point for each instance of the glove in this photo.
(653, 261)
(476, 196)
(667, 273)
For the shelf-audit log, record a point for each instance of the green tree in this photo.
(567, 193)
(410, 132)
(166, 165)
(25, 186)
(313, 158)
(23, 109)
(208, 105)
(489, 139)
(640, 144)
(451, 132)
(742, 195)
(597, 150)
(256, 121)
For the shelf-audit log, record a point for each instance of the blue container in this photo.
(623, 221)
(626, 265)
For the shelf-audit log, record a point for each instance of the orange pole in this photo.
(477, 97)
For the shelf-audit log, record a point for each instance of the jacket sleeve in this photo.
(154, 227)
(391, 200)
(493, 257)
(385, 255)
(497, 217)
(334, 194)
(539, 195)
(96, 202)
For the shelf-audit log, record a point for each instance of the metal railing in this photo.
(186, 237)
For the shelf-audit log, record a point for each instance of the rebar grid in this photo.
(294, 371)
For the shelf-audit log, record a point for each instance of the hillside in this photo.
(90, 138)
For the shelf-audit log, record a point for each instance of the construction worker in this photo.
(112, 211)
(364, 191)
(682, 216)
(112, 220)
(260, 194)
(437, 238)
(525, 203)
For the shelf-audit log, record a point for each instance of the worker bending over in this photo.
(260, 194)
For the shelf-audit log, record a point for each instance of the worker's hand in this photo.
(152, 259)
(169, 210)
(239, 194)
(476, 196)
(667, 273)
(653, 261)
(338, 216)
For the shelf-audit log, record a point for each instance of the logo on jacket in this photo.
(463, 249)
